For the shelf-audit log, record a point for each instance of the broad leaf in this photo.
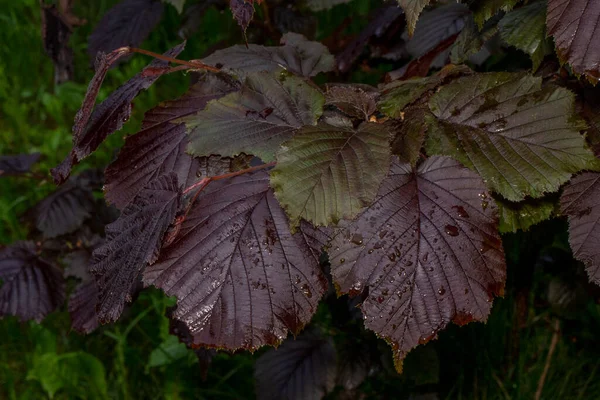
(126, 24)
(412, 9)
(470, 45)
(486, 9)
(296, 54)
(31, 287)
(579, 202)
(320, 5)
(90, 129)
(266, 112)
(524, 214)
(575, 27)
(301, 368)
(242, 280)
(521, 139)
(159, 147)
(17, 164)
(525, 29)
(326, 173)
(64, 210)
(396, 95)
(357, 101)
(133, 241)
(428, 251)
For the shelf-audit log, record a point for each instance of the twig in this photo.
(501, 386)
(553, 342)
(204, 182)
(194, 64)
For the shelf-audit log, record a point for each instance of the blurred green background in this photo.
(138, 359)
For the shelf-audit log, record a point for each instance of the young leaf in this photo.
(301, 368)
(31, 287)
(82, 307)
(133, 241)
(353, 100)
(525, 29)
(64, 210)
(575, 26)
(126, 24)
(242, 280)
(90, 129)
(579, 202)
(296, 54)
(428, 250)
(266, 112)
(524, 214)
(326, 173)
(486, 9)
(522, 140)
(412, 9)
(17, 164)
(159, 147)
(409, 135)
(243, 11)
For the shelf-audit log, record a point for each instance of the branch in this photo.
(554, 341)
(191, 64)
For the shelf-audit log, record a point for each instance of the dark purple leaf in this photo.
(428, 250)
(382, 20)
(90, 129)
(65, 210)
(126, 24)
(82, 307)
(580, 202)
(17, 164)
(357, 101)
(31, 287)
(242, 280)
(160, 146)
(56, 32)
(301, 368)
(575, 26)
(243, 11)
(133, 241)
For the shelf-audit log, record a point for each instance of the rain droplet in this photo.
(461, 211)
(451, 230)
(441, 291)
(357, 239)
(370, 251)
(342, 260)
(306, 290)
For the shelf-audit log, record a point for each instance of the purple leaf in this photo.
(160, 146)
(579, 202)
(133, 241)
(126, 24)
(428, 250)
(31, 287)
(17, 164)
(242, 280)
(301, 368)
(243, 11)
(90, 129)
(575, 26)
(82, 307)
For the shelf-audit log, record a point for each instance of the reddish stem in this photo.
(205, 181)
(190, 64)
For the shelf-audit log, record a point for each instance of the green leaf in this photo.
(256, 120)
(523, 215)
(326, 173)
(471, 40)
(178, 4)
(169, 351)
(78, 374)
(412, 9)
(395, 96)
(521, 139)
(409, 135)
(486, 9)
(525, 29)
